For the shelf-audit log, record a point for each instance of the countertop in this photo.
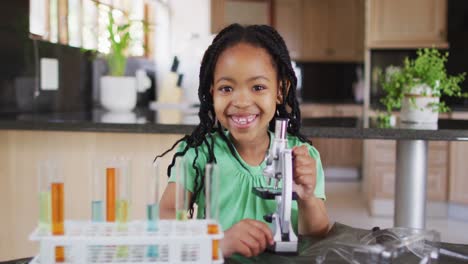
(346, 238)
(183, 121)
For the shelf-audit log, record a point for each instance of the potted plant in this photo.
(417, 86)
(118, 93)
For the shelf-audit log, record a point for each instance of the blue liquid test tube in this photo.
(98, 191)
(152, 207)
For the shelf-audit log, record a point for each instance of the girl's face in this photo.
(245, 92)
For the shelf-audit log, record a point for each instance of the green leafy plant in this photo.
(120, 39)
(427, 69)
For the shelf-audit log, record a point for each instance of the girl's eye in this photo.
(258, 88)
(225, 89)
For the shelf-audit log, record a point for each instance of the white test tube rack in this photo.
(185, 242)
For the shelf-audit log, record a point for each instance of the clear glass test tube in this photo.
(212, 191)
(182, 202)
(152, 207)
(212, 204)
(124, 191)
(98, 192)
(58, 211)
(46, 172)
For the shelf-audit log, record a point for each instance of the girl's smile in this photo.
(243, 121)
(245, 92)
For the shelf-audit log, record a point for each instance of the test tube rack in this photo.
(172, 241)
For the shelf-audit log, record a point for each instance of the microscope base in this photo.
(284, 247)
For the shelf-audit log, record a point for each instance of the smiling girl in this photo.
(246, 81)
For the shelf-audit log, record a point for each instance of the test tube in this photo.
(182, 203)
(46, 171)
(122, 187)
(124, 194)
(212, 204)
(152, 207)
(110, 193)
(57, 201)
(97, 202)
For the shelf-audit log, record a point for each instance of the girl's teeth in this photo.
(243, 120)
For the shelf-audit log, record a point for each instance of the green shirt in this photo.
(236, 199)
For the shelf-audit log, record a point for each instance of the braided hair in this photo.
(261, 36)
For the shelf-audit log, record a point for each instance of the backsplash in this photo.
(330, 82)
(78, 70)
(20, 68)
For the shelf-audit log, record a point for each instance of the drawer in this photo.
(437, 183)
(437, 158)
(385, 155)
(386, 181)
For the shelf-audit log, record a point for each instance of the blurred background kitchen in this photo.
(52, 60)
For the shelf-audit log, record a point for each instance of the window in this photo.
(83, 23)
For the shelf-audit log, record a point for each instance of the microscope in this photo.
(279, 169)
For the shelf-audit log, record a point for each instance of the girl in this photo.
(246, 81)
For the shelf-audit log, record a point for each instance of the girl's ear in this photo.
(279, 97)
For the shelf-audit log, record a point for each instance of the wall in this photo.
(20, 67)
(183, 31)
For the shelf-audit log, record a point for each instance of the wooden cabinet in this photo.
(407, 24)
(333, 30)
(458, 189)
(314, 30)
(336, 152)
(288, 22)
(379, 171)
(245, 12)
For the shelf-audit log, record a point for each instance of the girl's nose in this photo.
(242, 98)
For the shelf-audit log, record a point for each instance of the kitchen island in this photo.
(157, 122)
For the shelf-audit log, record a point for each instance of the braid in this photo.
(259, 36)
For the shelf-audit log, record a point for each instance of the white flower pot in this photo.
(118, 94)
(419, 111)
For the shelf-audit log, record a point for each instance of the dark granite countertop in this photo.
(311, 248)
(176, 121)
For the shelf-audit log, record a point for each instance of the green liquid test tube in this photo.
(181, 199)
(44, 211)
(47, 171)
(181, 215)
(122, 211)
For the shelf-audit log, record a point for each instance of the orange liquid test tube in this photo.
(110, 194)
(58, 217)
(212, 230)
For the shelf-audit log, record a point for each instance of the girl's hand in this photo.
(304, 172)
(248, 237)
